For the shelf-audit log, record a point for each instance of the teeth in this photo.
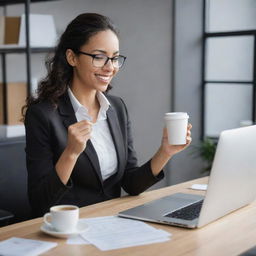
(105, 78)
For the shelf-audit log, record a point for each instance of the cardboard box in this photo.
(12, 30)
(42, 30)
(16, 98)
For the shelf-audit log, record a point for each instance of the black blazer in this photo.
(46, 138)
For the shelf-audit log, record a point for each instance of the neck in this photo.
(86, 97)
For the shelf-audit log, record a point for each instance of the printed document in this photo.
(112, 232)
(20, 246)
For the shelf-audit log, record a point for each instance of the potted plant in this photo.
(206, 151)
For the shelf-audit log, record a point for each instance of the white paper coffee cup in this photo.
(176, 124)
(64, 218)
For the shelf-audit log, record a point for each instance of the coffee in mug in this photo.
(64, 218)
(176, 124)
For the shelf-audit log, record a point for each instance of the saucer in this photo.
(80, 228)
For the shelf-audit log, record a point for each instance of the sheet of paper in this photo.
(199, 186)
(125, 231)
(20, 246)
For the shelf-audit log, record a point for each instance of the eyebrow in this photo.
(104, 51)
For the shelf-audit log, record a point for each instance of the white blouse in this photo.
(100, 137)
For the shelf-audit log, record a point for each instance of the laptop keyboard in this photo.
(187, 213)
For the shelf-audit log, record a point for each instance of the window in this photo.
(229, 58)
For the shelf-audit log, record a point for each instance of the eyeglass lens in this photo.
(101, 60)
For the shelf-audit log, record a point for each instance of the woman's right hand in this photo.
(78, 135)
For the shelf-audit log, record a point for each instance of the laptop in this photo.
(232, 184)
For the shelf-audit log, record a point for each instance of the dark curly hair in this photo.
(59, 72)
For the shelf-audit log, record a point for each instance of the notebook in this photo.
(232, 184)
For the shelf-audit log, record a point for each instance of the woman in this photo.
(79, 144)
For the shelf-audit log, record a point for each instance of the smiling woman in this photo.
(79, 145)
(92, 68)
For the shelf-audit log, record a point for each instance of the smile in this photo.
(103, 78)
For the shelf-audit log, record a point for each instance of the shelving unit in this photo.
(12, 153)
(14, 50)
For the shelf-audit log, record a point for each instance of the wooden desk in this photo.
(230, 235)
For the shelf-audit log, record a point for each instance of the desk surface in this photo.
(230, 235)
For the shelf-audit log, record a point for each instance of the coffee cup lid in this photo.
(176, 115)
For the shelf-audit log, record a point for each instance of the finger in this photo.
(79, 131)
(73, 128)
(83, 131)
(189, 140)
(87, 137)
(83, 123)
(85, 128)
(84, 138)
(165, 134)
(83, 134)
(81, 126)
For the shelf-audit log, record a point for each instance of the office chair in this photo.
(13, 181)
(5, 217)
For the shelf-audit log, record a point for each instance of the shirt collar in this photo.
(104, 104)
(74, 101)
(103, 101)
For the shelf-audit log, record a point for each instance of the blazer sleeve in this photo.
(136, 178)
(44, 186)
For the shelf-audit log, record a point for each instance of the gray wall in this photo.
(146, 82)
(187, 82)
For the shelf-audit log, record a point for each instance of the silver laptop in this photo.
(231, 186)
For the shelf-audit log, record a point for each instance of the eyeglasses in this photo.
(100, 60)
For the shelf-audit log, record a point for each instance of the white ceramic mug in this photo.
(176, 124)
(64, 218)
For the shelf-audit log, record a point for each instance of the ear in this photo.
(71, 57)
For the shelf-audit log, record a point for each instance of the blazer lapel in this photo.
(117, 138)
(68, 115)
(93, 157)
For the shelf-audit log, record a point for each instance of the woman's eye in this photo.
(99, 57)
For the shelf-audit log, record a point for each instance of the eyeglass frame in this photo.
(108, 58)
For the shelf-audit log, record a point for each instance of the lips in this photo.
(103, 78)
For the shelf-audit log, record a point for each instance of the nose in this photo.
(108, 66)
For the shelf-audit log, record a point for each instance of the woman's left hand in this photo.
(171, 150)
